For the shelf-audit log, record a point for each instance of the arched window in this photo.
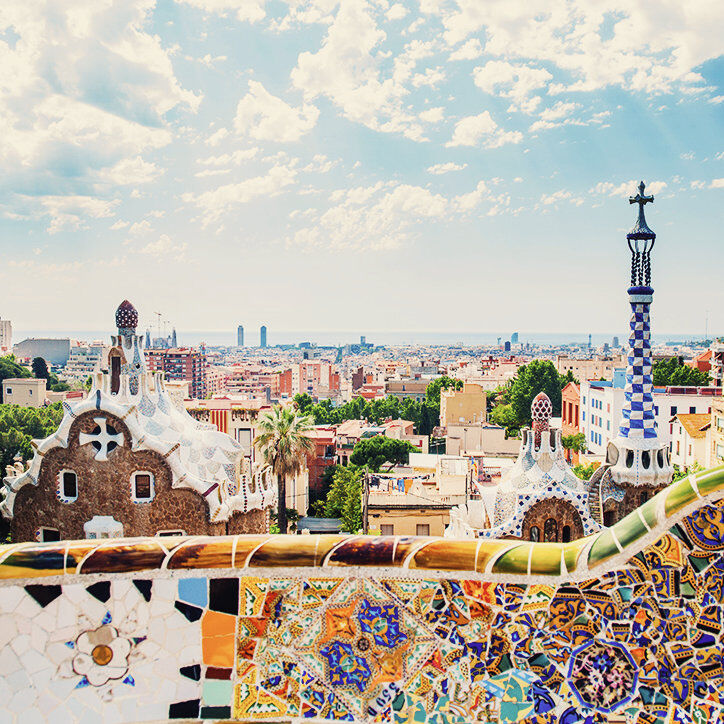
(142, 487)
(534, 533)
(550, 531)
(609, 517)
(566, 533)
(115, 365)
(67, 486)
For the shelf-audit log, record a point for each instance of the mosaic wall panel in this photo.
(624, 624)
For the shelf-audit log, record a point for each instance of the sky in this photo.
(456, 166)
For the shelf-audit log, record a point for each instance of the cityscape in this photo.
(343, 374)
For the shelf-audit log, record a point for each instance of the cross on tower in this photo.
(102, 439)
(641, 199)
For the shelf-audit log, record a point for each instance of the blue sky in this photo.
(369, 165)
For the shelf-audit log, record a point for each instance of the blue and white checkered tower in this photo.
(638, 456)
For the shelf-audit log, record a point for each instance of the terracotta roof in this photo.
(695, 424)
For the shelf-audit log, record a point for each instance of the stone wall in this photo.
(627, 622)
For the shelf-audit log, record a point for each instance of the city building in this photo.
(55, 351)
(570, 416)
(417, 499)
(127, 461)
(593, 368)
(467, 406)
(316, 378)
(6, 336)
(322, 457)
(180, 363)
(240, 336)
(262, 337)
(716, 432)
(690, 442)
(84, 360)
(25, 391)
(407, 389)
(603, 404)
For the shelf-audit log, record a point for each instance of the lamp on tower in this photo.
(641, 241)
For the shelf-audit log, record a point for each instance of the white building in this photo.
(84, 360)
(690, 440)
(602, 405)
(6, 336)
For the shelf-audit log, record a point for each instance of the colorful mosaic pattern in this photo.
(323, 628)
(638, 419)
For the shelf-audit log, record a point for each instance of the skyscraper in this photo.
(514, 338)
(239, 336)
(262, 336)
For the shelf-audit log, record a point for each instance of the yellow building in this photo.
(717, 431)
(26, 391)
(463, 407)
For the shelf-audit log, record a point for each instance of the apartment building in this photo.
(180, 363)
(25, 391)
(690, 440)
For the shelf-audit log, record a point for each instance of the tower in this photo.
(174, 343)
(262, 336)
(637, 460)
(239, 336)
(147, 345)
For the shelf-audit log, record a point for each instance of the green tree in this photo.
(341, 481)
(673, 372)
(576, 442)
(584, 472)
(374, 452)
(10, 368)
(284, 444)
(504, 416)
(303, 403)
(19, 425)
(680, 472)
(537, 376)
(352, 508)
(292, 520)
(40, 368)
(433, 390)
(568, 378)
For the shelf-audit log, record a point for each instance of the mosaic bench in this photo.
(622, 625)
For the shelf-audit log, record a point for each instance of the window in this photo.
(534, 533)
(30, 392)
(673, 410)
(67, 486)
(678, 447)
(550, 531)
(422, 529)
(692, 410)
(46, 535)
(8, 391)
(142, 487)
(609, 518)
(387, 529)
(566, 533)
(162, 533)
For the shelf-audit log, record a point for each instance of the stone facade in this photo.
(551, 521)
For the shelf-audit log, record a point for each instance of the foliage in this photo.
(292, 519)
(284, 444)
(424, 415)
(376, 451)
(576, 442)
(352, 508)
(537, 376)
(584, 472)
(340, 489)
(10, 368)
(568, 378)
(504, 416)
(680, 472)
(303, 402)
(673, 372)
(40, 368)
(19, 425)
(433, 390)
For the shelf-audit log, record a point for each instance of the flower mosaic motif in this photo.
(344, 667)
(382, 622)
(102, 655)
(602, 674)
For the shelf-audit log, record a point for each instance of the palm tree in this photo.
(284, 443)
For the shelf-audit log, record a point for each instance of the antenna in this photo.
(158, 326)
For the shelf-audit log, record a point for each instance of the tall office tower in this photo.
(514, 338)
(363, 340)
(239, 336)
(262, 336)
(615, 342)
(6, 335)
(589, 341)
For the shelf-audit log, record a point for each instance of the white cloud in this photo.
(626, 189)
(164, 246)
(441, 168)
(216, 203)
(227, 159)
(556, 115)
(482, 130)
(717, 183)
(516, 82)
(432, 115)
(396, 12)
(468, 51)
(245, 10)
(119, 225)
(131, 171)
(72, 212)
(263, 116)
